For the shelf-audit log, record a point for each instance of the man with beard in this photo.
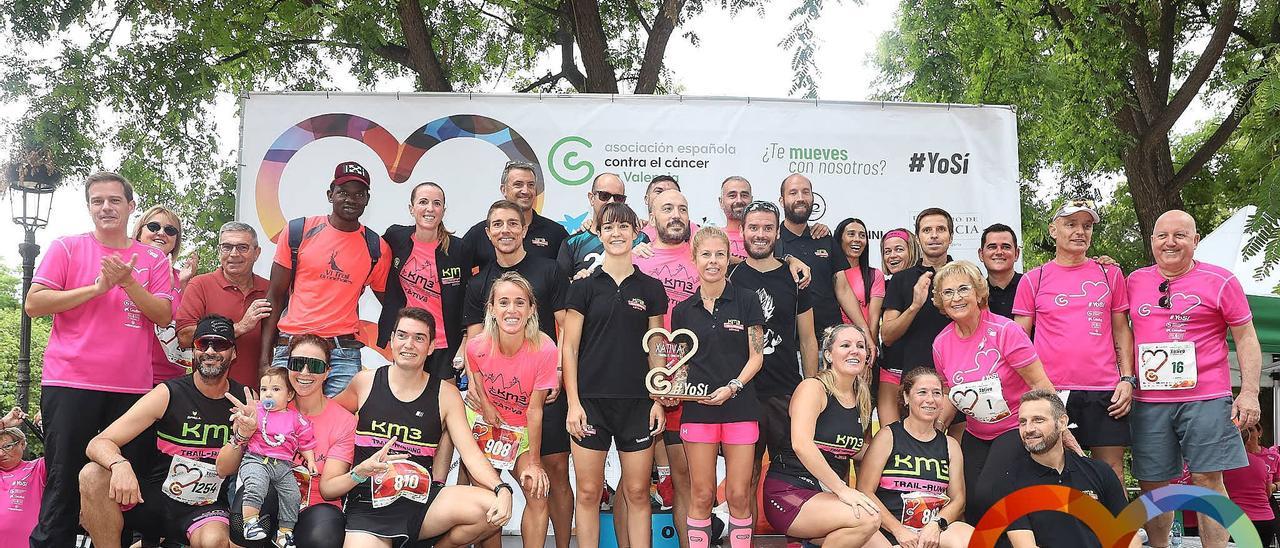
(911, 321)
(179, 495)
(519, 185)
(789, 330)
(1042, 420)
(106, 294)
(582, 253)
(735, 194)
(802, 241)
(999, 253)
(336, 258)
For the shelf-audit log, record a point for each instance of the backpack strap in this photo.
(296, 227)
(375, 247)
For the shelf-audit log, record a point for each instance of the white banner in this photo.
(880, 162)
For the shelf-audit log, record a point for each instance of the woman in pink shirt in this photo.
(987, 362)
(860, 292)
(160, 227)
(21, 483)
(1250, 487)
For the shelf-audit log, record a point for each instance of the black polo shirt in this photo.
(543, 239)
(915, 347)
(612, 362)
(821, 256)
(1056, 529)
(722, 351)
(1001, 300)
(781, 301)
(549, 286)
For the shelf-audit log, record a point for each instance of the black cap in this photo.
(214, 325)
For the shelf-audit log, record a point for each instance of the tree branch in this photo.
(664, 23)
(564, 37)
(422, 55)
(1164, 59)
(1196, 78)
(1149, 103)
(545, 80)
(1219, 138)
(635, 12)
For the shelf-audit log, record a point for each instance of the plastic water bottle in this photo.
(1176, 531)
(460, 373)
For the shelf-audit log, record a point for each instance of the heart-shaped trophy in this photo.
(669, 377)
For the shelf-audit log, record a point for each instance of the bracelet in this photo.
(735, 386)
(238, 440)
(357, 477)
(113, 465)
(502, 486)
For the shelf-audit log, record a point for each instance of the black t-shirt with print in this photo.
(722, 351)
(780, 301)
(549, 286)
(612, 362)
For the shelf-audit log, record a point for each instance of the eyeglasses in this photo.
(962, 292)
(1165, 301)
(10, 446)
(606, 197)
(315, 366)
(168, 229)
(231, 249)
(217, 344)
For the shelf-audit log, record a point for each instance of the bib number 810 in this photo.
(406, 481)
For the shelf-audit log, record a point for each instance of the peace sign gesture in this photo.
(377, 463)
(244, 416)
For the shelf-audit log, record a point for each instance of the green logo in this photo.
(570, 162)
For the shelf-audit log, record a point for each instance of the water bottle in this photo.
(1176, 531)
(460, 373)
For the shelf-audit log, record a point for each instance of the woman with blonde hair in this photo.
(514, 364)
(160, 227)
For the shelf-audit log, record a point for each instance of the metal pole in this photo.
(28, 249)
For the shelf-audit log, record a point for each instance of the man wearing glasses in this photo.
(107, 293)
(519, 184)
(1077, 310)
(234, 291)
(23, 480)
(1181, 312)
(582, 253)
(175, 492)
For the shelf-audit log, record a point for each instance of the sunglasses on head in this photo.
(1082, 203)
(1165, 301)
(155, 226)
(606, 196)
(315, 366)
(218, 344)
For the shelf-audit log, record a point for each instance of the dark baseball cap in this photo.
(214, 325)
(350, 171)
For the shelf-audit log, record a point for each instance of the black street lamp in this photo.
(30, 203)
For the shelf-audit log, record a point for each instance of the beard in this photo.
(798, 212)
(1047, 442)
(736, 212)
(755, 252)
(210, 369)
(674, 232)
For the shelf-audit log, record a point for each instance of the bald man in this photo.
(813, 244)
(1181, 310)
(735, 194)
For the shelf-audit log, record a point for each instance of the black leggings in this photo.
(319, 525)
(984, 464)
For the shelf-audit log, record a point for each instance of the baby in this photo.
(268, 460)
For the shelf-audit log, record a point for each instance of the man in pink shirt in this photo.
(106, 293)
(1181, 310)
(1077, 311)
(735, 194)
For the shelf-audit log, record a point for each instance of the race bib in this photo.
(304, 478)
(192, 482)
(1167, 366)
(501, 444)
(983, 400)
(404, 479)
(920, 509)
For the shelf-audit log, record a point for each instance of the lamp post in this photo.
(30, 203)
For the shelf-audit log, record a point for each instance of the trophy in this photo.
(671, 378)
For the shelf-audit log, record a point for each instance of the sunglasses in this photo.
(217, 344)
(762, 206)
(315, 366)
(1165, 301)
(156, 226)
(606, 197)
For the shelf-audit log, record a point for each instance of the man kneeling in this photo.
(177, 496)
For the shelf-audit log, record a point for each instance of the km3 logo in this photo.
(1114, 531)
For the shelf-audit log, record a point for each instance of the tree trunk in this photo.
(656, 48)
(1150, 178)
(422, 53)
(601, 76)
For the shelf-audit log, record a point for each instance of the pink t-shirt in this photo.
(21, 491)
(1247, 487)
(997, 349)
(281, 434)
(737, 247)
(652, 232)
(1204, 301)
(168, 361)
(334, 430)
(854, 277)
(1071, 307)
(674, 268)
(509, 381)
(421, 283)
(105, 343)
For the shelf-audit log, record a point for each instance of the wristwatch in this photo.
(942, 523)
(1130, 379)
(502, 486)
